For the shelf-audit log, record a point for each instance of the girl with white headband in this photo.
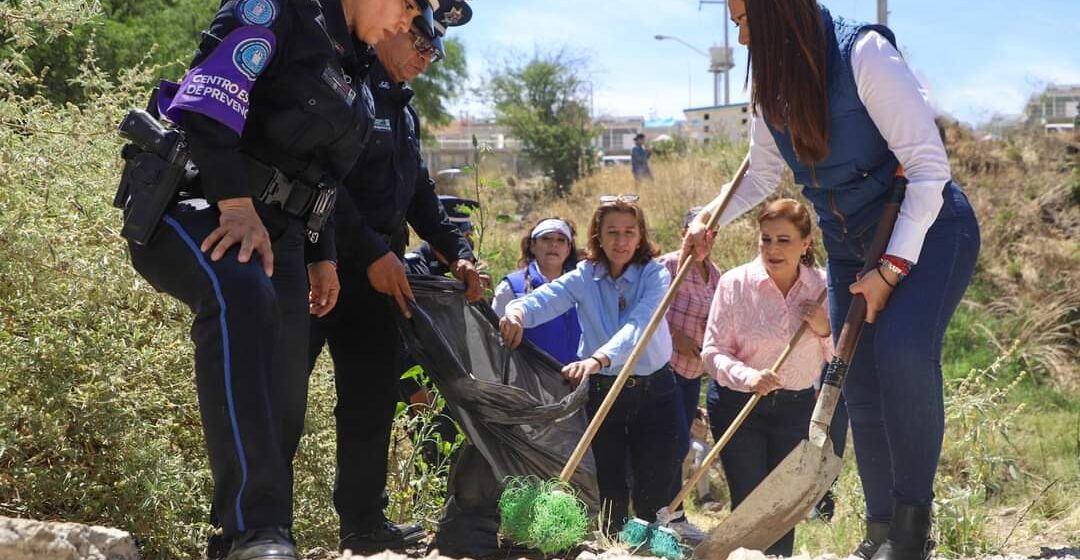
(547, 252)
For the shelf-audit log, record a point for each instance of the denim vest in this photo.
(559, 337)
(848, 188)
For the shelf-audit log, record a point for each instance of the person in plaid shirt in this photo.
(686, 320)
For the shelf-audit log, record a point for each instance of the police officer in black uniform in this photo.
(390, 186)
(275, 114)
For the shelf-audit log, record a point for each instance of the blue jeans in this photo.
(687, 396)
(778, 423)
(894, 386)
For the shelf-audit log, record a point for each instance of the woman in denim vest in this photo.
(835, 102)
(547, 252)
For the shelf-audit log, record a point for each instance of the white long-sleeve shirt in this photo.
(898, 105)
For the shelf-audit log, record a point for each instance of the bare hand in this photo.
(511, 327)
(465, 271)
(387, 276)
(699, 240)
(815, 317)
(325, 287)
(239, 223)
(765, 382)
(576, 372)
(875, 290)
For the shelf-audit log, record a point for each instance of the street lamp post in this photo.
(720, 59)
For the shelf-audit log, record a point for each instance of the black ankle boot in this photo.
(269, 543)
(876, 534)
(909, 535)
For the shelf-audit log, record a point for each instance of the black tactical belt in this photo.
(272, 187)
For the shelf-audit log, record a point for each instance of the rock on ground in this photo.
(23, 539)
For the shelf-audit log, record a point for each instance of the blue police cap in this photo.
(425, 25)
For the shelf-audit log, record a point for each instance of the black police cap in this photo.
(452, 13)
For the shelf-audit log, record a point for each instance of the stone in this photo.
(25, 539)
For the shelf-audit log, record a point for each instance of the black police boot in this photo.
(909, 535)
(269, 543)
(876, 533)
(386, 536)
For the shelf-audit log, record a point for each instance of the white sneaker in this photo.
(687, 531)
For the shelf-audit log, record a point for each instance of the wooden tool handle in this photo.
(738, 421)
(639, 348)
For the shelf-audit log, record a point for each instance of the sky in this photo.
(978, 58)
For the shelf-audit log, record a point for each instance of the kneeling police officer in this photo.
(273, 114)
(389, 186)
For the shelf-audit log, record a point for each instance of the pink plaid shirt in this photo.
(751, 322)
(689, 311)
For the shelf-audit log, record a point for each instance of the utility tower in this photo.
(721, 60)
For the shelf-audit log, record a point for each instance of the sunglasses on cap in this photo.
(424, 47)
(613, 198)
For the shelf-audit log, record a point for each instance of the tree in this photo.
(442, 82)
(543, 104)
(126, 32)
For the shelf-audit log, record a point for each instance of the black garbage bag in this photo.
(520, 416)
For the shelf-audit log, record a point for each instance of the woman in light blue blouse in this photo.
(615, 290)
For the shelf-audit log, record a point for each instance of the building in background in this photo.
(616, 136)
(450, 147)
(1056, 105)
(729, 123)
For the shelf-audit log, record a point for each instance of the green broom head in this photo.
(559, 519)
(635, 533)
(516, 505)
(665, 544)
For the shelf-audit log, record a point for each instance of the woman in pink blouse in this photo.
(756, 309)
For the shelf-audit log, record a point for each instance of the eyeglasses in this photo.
(613, 198)
(423, 46)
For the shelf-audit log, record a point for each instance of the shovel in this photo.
(799, 482)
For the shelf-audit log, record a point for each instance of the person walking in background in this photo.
(547, 252)
(686, 319)
(835, 102)
(757, 308)
(639, 159)
(615, 290)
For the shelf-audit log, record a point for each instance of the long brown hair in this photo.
(595, 252)
(526, 244)
(790, 79)
(796, 213)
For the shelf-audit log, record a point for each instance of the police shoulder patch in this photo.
(257, 12)
(251, 56)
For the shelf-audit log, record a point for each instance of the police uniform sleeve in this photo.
(211, 102)
(427, 216)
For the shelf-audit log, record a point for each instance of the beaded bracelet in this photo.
(903, 265)
(887, 264)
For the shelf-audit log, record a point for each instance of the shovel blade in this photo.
(779, 503)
